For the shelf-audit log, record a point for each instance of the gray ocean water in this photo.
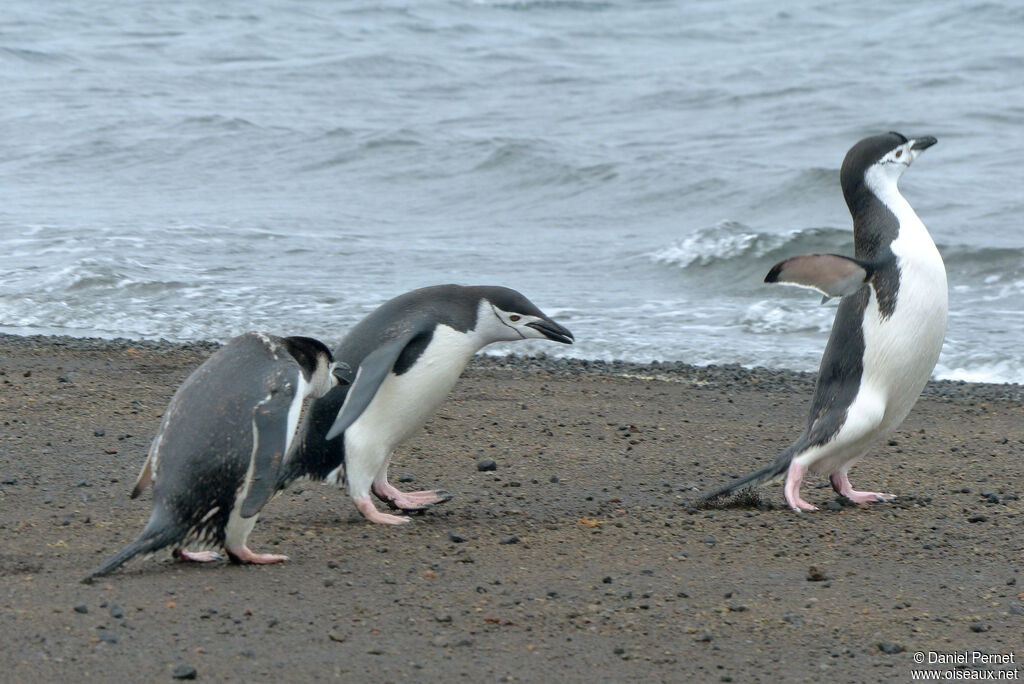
(192, 170)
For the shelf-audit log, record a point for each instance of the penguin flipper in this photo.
(145, 477)
(270, 444)
(833, 275)
(371, 373)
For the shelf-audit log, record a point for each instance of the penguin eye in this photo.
(899, 153)
(514, 317)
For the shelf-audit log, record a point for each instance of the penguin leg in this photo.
(395, 498)
(196, 556)
(794, 478)
(237, 533)
(362, 463)
(408, 501)
(841, 483)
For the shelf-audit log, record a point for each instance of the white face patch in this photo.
(517, 325)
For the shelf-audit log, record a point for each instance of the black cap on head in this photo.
(863, 155)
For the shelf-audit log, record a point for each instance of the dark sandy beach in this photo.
(579, 558)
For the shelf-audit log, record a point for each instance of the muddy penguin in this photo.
(888, 329)
(407, 355)
(224, 441)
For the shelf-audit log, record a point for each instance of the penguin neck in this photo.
(881, 217)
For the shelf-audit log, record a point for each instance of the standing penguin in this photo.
(888, 330)
(226, 436)
(408, 354)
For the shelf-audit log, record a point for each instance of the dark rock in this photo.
(82, 608)
(486, 465)
(977, 518)
(890, 647)
(980, 627)
(406, 478)
(184, 672)
(456, 537)
(511, 539)
(116, 611)
(99, 432)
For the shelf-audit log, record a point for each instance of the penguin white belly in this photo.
(403, 403)
(900, 351)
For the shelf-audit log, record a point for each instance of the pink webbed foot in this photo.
(408, 501)
(794, 478)
(841, 483)
(370, 512)
(197, 556)
(244, 555)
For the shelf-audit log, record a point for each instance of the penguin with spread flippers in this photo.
(888, 329)
(224, 443)
(406, 355)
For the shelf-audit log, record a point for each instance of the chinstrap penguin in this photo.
(888, 329)
(221, 447)
(407, 356)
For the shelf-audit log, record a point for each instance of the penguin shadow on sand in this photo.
(264, 411)
(887, 334)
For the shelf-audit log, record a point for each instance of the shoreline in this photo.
(577, 552)
(668, 371)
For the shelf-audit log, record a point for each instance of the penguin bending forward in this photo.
(408, 354)
(888, 329)
(225, 439)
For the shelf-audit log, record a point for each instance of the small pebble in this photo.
(980, 627)
(511, 539)
(82, 608)
(456, 537)
(486, 465)
(108, 637)
(890, 647)
(116, 611)
(99, 432)
(815, 574)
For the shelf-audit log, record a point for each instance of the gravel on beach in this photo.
(572, 550)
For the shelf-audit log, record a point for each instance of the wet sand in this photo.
(578, 558)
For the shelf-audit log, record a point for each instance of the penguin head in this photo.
(878, 162)
(318, 366)
(506, 315)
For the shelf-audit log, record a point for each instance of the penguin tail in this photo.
(155, 536)
(771, 472)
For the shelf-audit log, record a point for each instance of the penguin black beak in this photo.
(341, 372)
(552, 331)
(922, 143)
